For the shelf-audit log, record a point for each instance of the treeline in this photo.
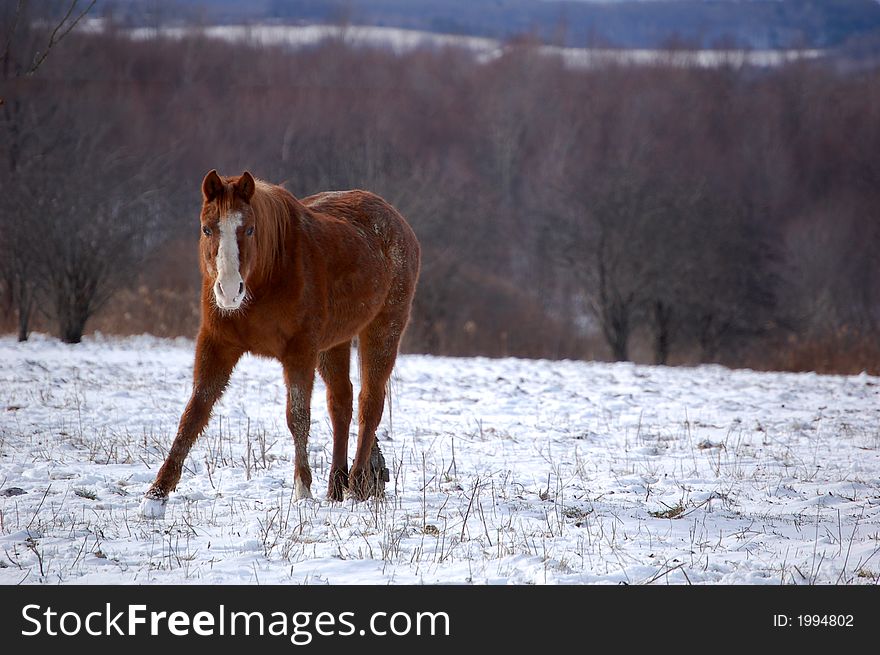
(654, 213)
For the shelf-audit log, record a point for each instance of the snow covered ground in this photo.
(502, 471)
(401, 41)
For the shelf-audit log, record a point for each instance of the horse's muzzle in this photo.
(229, 293)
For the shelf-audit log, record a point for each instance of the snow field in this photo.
(502, 472)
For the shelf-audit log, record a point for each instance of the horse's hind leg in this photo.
(333, 365)
(377, 349)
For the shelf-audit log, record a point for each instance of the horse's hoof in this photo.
(370, 483)
(153, 505)
(358, 487)
(301, 491)
(365, 484)
(338, 485)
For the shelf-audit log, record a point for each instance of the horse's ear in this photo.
(212, 186)
(246, 186)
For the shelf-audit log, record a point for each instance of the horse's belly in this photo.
(347, 321)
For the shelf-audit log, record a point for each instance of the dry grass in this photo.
(843, 353)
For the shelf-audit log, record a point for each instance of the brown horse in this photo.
(297, 280)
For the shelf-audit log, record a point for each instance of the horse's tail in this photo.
(390, 399)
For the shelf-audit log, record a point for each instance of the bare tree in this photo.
(84, 212)
(28, 35)
(17, 264)
(101, 223)
(31, 30)
(608, 244)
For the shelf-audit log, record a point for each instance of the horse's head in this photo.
(227, 243)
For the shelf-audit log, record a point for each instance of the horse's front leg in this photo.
(299, 376)
(213, 366)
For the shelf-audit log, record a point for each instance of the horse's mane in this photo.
(272, 216)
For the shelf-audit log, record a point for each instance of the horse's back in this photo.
(360, 208)
(377, 219)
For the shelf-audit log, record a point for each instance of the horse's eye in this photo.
(250, 231)
(206, 231)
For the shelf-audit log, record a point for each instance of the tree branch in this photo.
(41, 57)
(9, 37)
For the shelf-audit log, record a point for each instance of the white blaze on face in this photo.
(229, 287)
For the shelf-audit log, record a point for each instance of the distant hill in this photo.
(626, 23)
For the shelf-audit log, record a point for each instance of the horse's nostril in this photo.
(220, 287)
(240, 287)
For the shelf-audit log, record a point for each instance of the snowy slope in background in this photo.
(401, 41)
(502, 471)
